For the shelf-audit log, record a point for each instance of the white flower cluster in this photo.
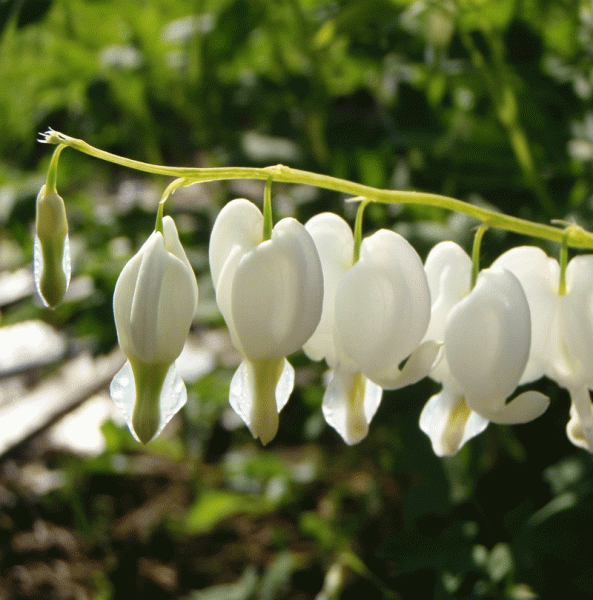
(365, 318)
(382, 321)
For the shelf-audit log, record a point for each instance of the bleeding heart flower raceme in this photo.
(375, 313)
(562, 325)
(270, 294)
(154, 302)
(487, 335)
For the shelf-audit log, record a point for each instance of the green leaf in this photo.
(214, 506)
(31, 11)
(478, 14)
(7, 9)
(242, 590)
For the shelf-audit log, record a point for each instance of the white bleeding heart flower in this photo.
(446, 418)
(375, 313)
(154, 302)
(487, 335)
(270, 294)
(51, 249)
(562, 326)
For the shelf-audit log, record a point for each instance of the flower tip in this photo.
(146, 416)
(449, 422)
(147, 396)
(258, 392)
(268, 431)
(580, 430)
(349, 404)
(145, 428)
(51, 137)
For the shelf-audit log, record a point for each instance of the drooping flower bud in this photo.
(51, 250)
(154, 302)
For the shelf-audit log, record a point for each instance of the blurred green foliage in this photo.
(486, 100)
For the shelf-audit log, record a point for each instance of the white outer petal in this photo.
(123, 296)
(539, 276)
(349, 403)
(173, 245)
(335, 245)
(448, 421)
(237, 230)
(154, 303)
(487, 340)
(448, 271)
(382, 304)
(277, 293)
(521, 409)
(417, 367)
(239, 224)
(576, 308)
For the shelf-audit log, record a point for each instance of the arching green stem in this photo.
(576, 237)
(476, 253)
(52, 172)
(268, 220)
(358, 230)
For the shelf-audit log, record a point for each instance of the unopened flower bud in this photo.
(51, 250)
(154, 303)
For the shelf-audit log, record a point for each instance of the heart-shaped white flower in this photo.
(562, 325)
(487, 334)
(270, 294)
(375, 313)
